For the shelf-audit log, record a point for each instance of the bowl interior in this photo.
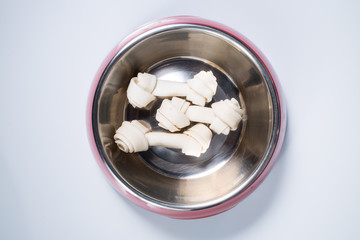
(166, 177)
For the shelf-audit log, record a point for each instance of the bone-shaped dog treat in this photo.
(223, 116)
(136, 136)
(144, 89)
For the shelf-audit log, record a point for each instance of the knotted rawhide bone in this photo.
(136, 136)
(171, 114)
(144, 89)
(223, 116)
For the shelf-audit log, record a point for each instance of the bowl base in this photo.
(172, 162)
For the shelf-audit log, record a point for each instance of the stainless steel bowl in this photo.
(164, 180)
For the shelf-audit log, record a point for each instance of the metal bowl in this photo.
(164, 180)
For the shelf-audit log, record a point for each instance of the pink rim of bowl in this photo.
(178, 214)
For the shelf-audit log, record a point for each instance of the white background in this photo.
(50, 184)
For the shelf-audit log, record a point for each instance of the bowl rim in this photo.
(163, 210)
